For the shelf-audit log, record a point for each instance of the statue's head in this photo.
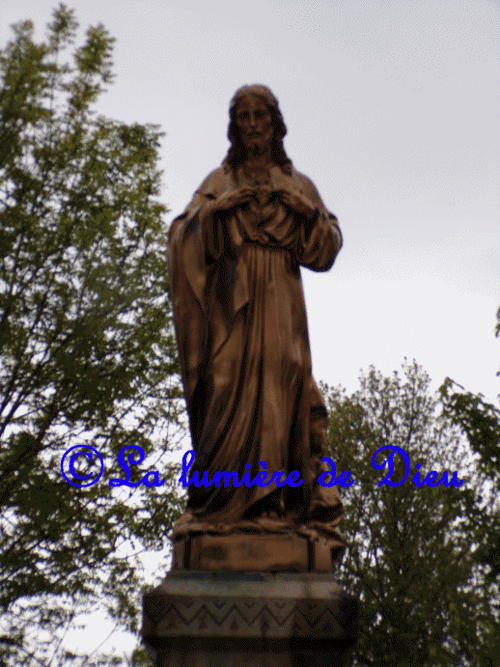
(238, 150)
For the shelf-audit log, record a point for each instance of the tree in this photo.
(480, 422)
(410, 558)
(87, 353)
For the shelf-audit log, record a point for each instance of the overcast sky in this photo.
(392, 109)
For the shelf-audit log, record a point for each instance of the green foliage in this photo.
(480, 422)
(411, 556)
(87, 353)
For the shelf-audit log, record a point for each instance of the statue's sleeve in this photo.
(195, 237)
(193, 247)
(320, 239)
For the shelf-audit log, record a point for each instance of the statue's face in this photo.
(255, 123)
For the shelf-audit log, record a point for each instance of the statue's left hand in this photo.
(296, 202)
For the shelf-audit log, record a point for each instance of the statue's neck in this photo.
(256, 172)
(258, 163)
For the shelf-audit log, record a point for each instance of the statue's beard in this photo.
(256, 146)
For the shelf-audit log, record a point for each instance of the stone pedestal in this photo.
(256, 553)
(252, 619)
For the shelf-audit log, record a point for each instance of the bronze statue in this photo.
(241, 327)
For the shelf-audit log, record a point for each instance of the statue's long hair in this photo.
(237, 151)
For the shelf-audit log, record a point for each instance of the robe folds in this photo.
(240, 320)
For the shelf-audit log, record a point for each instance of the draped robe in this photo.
(240, 320)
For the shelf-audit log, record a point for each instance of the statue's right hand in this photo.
(233, 199)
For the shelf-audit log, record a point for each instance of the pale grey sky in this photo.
(392, 109)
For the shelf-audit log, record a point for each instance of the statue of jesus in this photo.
(240, 319)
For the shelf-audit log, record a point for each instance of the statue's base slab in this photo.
(263, 553)
(256, 619)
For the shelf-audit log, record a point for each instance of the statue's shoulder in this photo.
(212, 186)
(214, 183)
(306, 185)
